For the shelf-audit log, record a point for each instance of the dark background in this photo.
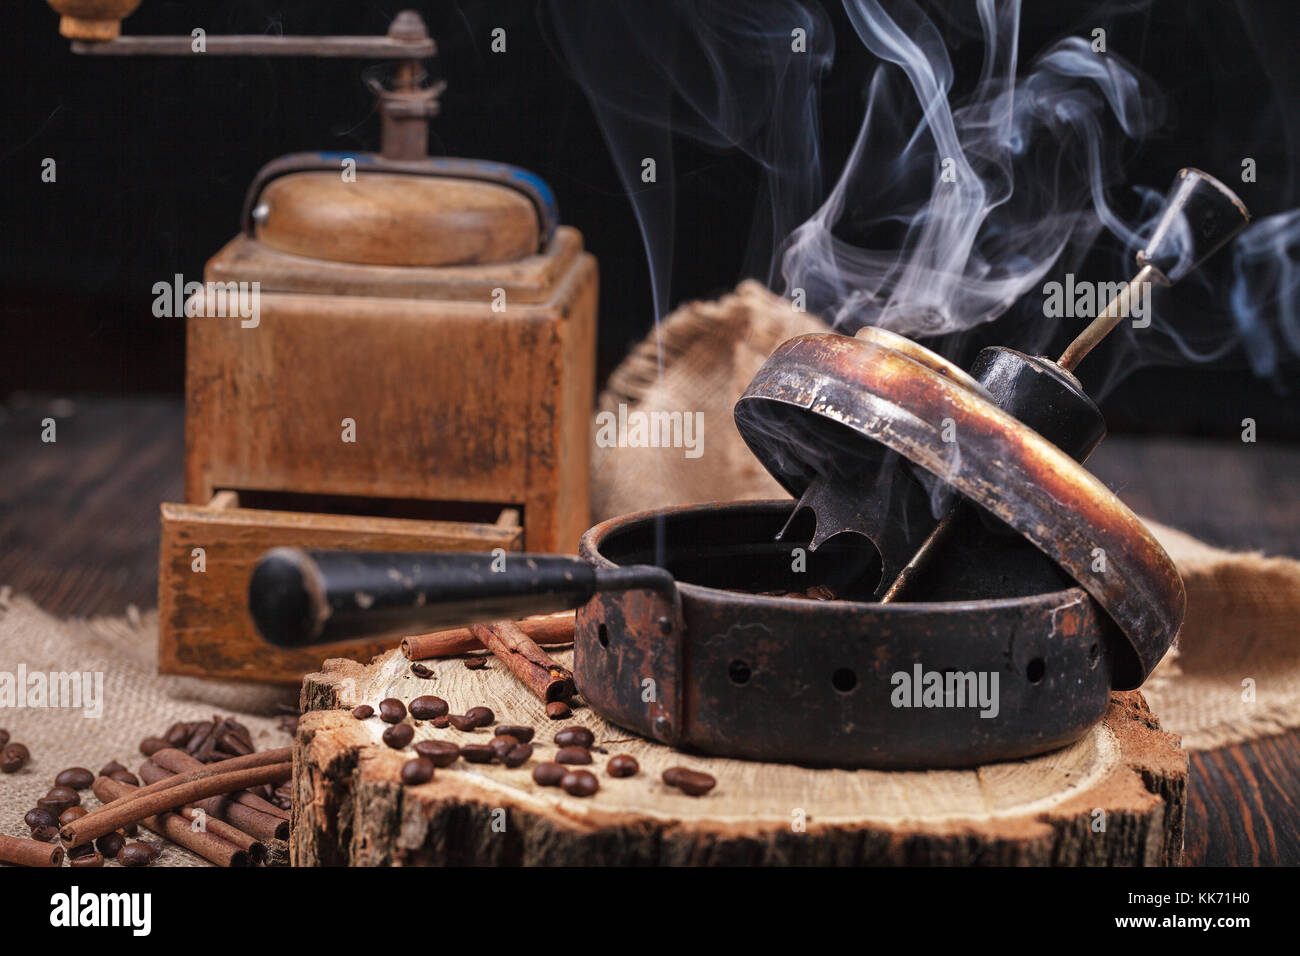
(154, 156)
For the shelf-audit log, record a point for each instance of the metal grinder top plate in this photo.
(882, 395)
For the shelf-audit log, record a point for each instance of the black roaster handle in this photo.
(299, 598)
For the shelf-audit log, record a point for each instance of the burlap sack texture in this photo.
(137, 702)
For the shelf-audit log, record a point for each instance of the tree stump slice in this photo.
(1116, 797)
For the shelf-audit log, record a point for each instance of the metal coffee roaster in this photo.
(687, 627)
(420, 374)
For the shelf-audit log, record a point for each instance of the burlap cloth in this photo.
(1234, 674)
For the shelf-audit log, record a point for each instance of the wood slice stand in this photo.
(349, 807)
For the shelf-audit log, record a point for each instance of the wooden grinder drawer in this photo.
(204, 629)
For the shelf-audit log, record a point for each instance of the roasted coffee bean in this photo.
(443, 753)
(421, 670)
(573, 755)
(392, 710)
(89, 860)
(129, 830)
(428, 707)
(399, 735)
(462, 721)
(78, 778)
(691, 782)
(482, 716)
(417, 771)
(14, 758)
(151, 745)
(558, 710)
(135, 854)
(45, 834)
(517, 755)
(502, 743)
(549, 774)
(125, 776)
(63, 791)
(110, 768)
(364, 712)
(72, 813)
(177, 734)
(40, 817)
(110, 843)
(4, 738)
(522, 734)
(232, 743)
(580, 783)
(441, 722)
(59, 799)
(475, 663)
(84, 849)
(477, 753)
(622, 766)
(575, 737)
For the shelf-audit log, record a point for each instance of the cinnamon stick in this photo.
(205, 842)
(254, 847)
(176, 792)
(532, 665)
(178, 761)
(261, 825)
(23, 852)
(553, 629)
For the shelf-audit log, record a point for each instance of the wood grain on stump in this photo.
(1117, 797)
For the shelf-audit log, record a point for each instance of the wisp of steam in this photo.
(956, 199)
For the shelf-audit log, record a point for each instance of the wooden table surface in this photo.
(79, 534)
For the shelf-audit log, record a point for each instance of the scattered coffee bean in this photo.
(441, 722)
(177, 734)
(45, 834)
(417, 771)
(622, 766)
(477, 753)
(72, 813)
(84, 849)
(110, 843)
(428, 707)
(64, 792)
(580, 783)
(78, 778)
(88, 860)
(110, 768)
(573, 755)
(4, 738)
(549, 774)
(364, 712)
(129, 830)
(421, 670)
(691, 782)
(475, 663)
(517, 755)
(135, 854)
(463, 721)
(673, 774)
(40, 817)
(558, 710)
(482, 716)
(233, 743)
(151, 745)
(501, 745)
(575, 737)
(392, 710)
(56, 803)
(14, 758)
(522, 734)
(125, 776)
(443, 753)
(399, 735)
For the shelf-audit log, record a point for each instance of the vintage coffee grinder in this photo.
(418, 372)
